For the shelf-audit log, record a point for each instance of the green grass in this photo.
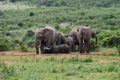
(62, 68)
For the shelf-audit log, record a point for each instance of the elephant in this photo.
(60, 38)
(73, 34)
(69, 42)
(63, 48)
(84, 36)
(44, 37)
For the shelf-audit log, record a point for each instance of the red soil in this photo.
(58, 54)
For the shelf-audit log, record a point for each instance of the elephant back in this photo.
(49, 35)
(60, 38)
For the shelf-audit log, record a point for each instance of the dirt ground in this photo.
(55, 54)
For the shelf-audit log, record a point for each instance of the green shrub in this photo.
(94, 46)
(28, 38)
(118, 49)
(23, 47)
(109, 38)
(30, 43)
(57, 27)
(20, 24)
(31, 14)
(54, 70)
(5, 71)
(88, 59)
(29, 33)
(112, 68)
(8, 34)
(111, 41)
(4, 45)
(12, 1)
(1, 13)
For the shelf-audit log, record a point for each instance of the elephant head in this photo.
(73, 34)
(44, 37)
(84, 35)
(60, 38)
(69, 41)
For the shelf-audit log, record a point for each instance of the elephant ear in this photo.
(39, 33)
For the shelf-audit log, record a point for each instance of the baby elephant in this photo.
(63, 48)
(69, 41)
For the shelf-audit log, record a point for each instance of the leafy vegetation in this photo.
(6, 72)
(101, 15)
(17, 28)
(76, 3)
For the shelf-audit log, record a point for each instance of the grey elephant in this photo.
(73, 34)
(63, 48)
(84, 35)
(69, 41)
(60, 38)
(44, 37)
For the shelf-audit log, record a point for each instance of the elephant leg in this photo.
(37, 50)
(73, 47)
(37, 47)
(87, 45)
(41, 48)
(81, 46)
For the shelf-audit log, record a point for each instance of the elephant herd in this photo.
(51, 41)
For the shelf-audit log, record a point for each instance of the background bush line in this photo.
(19, 25)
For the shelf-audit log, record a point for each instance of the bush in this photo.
(109, 38)
(23, 47)
(118, 49)
(111, 41)
(28, 38)
(4, 45)
(8, 34)
(20, 24)
(30, 43)
(6, 72)
(12, 1)
(16, 41)
(31, 14)
(94, 46)
(29, 33)
(88, 59)
(1, 13)
(57, 27)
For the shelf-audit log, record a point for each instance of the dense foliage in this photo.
(19, 25)
(82, 3)
(17, 28)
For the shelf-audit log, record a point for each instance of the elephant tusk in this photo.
(46, 48)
